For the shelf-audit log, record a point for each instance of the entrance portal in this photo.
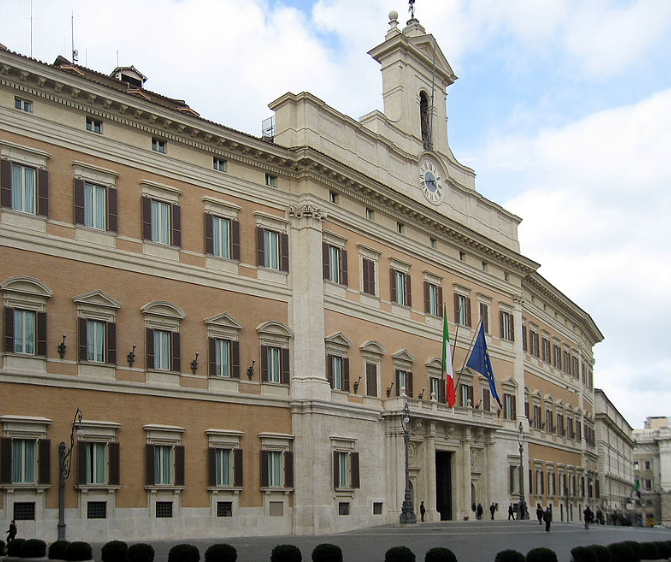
(444, 485)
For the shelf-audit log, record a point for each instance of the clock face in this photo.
(430, 182)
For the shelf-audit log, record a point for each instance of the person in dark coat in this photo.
(422, 510)
(511, 513)
(492, 509)
(11, 533)
(539, 513)
(547, 517)
(478, 511)
(588, 515)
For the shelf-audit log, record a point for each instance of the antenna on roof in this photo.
(75, 53)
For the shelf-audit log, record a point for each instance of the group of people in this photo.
(544, 516)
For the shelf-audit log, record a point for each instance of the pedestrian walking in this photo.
(492, 509)
(422, 510)
(539, 513)
(547, 517)
(588, 516)
(478, 511)
(511, 513)
(11, 532)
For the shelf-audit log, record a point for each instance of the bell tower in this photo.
(415, 77)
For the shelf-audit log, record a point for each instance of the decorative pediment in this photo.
(274, 333)
(434, 363)
(373, 347)
(162, 315)
(338, 339)
(510, 382)
(23, 285)
(97, 299)
(223, 320)
(403, 356)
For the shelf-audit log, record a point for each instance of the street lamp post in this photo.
(64, 466)
(524, 513)
(407, 511)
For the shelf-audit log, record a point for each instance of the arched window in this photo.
(425, 120)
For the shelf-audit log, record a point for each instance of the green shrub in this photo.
(2, 547)
(649, 551)
(583, 554)
(114, 551)
(399, 554)
(541, 554)
(286, 553)
(57, 550)
(140, 552)
(183, 553)
(78, 551)
(221, 552)
(620, 552)
(327, 553)
(14, 547)
(635, 549)
(509, 556)
(664, 549)
(601, 553)
(439, 554)
(33, 548)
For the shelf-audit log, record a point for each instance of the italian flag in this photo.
(447, 363)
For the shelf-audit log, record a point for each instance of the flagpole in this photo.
(469, 352)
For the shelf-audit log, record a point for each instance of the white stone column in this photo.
(518, 371)
(464, 502)
(430, 474)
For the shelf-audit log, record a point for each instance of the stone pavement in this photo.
(471, 541)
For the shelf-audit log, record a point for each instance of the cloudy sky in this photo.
(562, 107)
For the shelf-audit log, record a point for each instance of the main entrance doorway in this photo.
(444, 485)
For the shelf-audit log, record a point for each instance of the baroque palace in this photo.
(224, 330)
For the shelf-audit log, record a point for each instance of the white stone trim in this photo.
(23, 154)
(159, 191)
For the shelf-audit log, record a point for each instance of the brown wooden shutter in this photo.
(5, 183)
(43, 193)
(345, 374)
(264, 469)
(146, 218)
(392, 286)
(9, 330)
(354, 468)
(260, 247)
(80, 206)
(212, 357)
(408, 389)
(81, 462)
(343, 268)
(336, 470)
(501, 324)
(288, 469)
(238, 468)
(442, 390)
(175, 351)
(511, 329)
(524, 337)
(398, 386)
(407, 300)
(235, 240)
(284, 252)
(114, 463)
(285, 375)
(513, 400)
(468, 311)
(456, 308)
(439, 298)
(112, 210)
(44, 460)
(6, 460)
(470, 394)
(41, 333)
(176, 226)
(209, 234)
(211, 466)
(427, 297)
(111, 343)
(179, 465)
(326, 265)
(235, 359)
(371, 379)
(264, 363)
(486, 399)
(149, 347)
(149, 465)
(83, 336)
(329, 369)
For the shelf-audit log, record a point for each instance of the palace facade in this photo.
(241, 320)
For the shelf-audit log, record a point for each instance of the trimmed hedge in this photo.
(14, 547)
(327, 553)
(601, 552)
(583, 554)
(140, 552)
(57, 550)
(399, 554)
(114, 551)
(621, 552)
(2, 547)
(78, 551)
(286, 553)
(509, 555)
(440, 554)
(221, 552)
(541, 554)
(33, 548)
(183, 553)
(636, 550)
(649, 551)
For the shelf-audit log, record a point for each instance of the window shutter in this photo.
(336, 470)
(82, 339)
(343, 268)
(524, 337)
(407, 301)
(542, 484)
(174, 349)
(530, 483)
(264, 363)
(371, 379)
(260, 247)
(146, 218)
(9, 330)
(81, 462)
(456, 308)
(288, 469)
(329, 369)
(79, 202)
(427, 300)
(176, 224)
(470, 394)
(503, 334)
(264, 469)
(439, 298)
(511, 328)
(44, 460)
(284, 252)
(179, 465)
(345, 374)
(398, 386)
(6, 460)
(597, 493)
(486, 400)
(513, 400)
(5, 183)
(354, 467)
(326, 266)
(112, 210)
(235, 359)
(393, 297)
(212, 357)
(408, 389)
(285, 376)
(149, 345)
(43, 193)
(211, 466)
(41, 333)
(209, 234)
(511, 479)
(238, 468)
(111, 343)
(235, 240)
(149, 465)
(441, 391)
(114, 463)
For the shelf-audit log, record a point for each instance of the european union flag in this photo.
(479, 361)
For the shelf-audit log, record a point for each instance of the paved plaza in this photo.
(471, 541)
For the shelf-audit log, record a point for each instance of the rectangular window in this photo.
(434, 302)
(160, 222)
(556, 356)
(535, 348)
(537, 421)
(400, 288)
(23, 105)
(24, 181)
(342, 470)
(24, 332)
(24, 511)
(368, 276)
(545, 355)
(333, 197)
(371, 379)
(435, 387)
(271, 241)
(223, 472)
(377, 508)
(95, 463)
(274, 364)
(462, 310)
(647, 465)
(335, 264)
(95, 206)
(218, 164)
(466, 395)
(95, 341)
(163, 510)
(162, 350)
(369, 214)
(509, 407)
(343, 508)
(224, 509)
(548, 421)
(514, 481)
(162, 465)
(271, 181)
(96, 510)
(275, 469)
(23, 461)
(222, 350)
(400, 227)
(336, 371)
(221, 237)
(94, 125)
(158, 145)
(507, 326)
(484, 316)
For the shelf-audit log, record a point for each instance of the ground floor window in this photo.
(163, 509)
(96, 510)
(24, 511)
(224, 509)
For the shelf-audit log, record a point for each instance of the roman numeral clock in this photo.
(430, 182)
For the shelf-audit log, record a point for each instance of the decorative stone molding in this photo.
(306, 211)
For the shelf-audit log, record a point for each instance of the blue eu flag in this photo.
(479, 361)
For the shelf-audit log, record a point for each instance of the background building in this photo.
(241, 320)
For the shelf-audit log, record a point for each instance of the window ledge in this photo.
(25, 487)
(164, 488)
(216, 489)
(344, 493)
(271, 489)
(97, 487)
